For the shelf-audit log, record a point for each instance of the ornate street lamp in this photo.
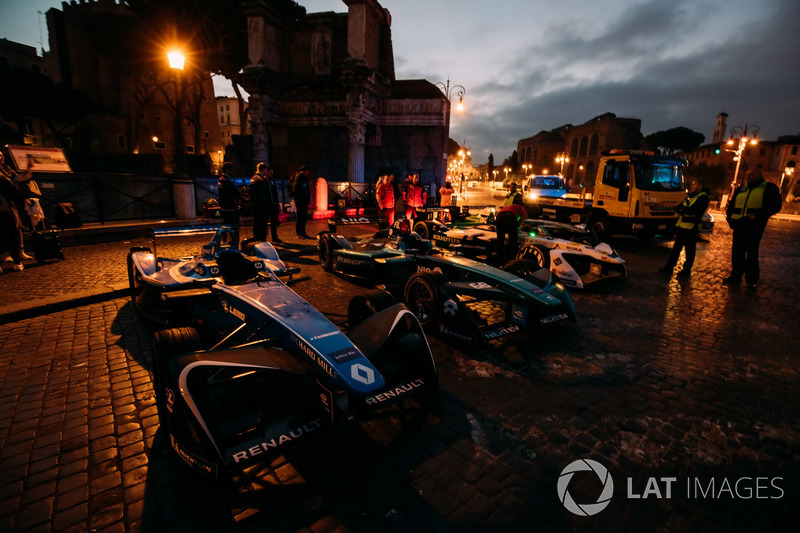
(450, 93)
(740, 138)
(176, 61)
(562, 158)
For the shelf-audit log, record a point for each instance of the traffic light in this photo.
(716, 151)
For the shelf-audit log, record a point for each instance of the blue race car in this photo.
(458, 297)
(244, 366)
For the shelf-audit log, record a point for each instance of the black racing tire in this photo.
(423, 298)
(538, 254)
(363, 306)
(325, 247)
(601, 227)
(422, 229)
(522, 268)
(168, 343)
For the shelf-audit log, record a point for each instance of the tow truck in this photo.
(635, 192)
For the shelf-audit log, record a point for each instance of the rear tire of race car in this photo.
(135, 287)
(600, 226)
(423, 298)
(168, 343)
(522, 268)
(363, 306)
(421, 228)
(537, 254)
(326, 252)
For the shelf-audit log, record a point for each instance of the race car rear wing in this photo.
(355, 221)
(227, 236)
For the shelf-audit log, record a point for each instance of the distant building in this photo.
(323, 93)
(229, 122)
(134, 114)
(19, 56)
(583, 144)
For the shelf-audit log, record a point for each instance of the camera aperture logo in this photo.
(586, 509)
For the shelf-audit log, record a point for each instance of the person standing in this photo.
(229, 196)
(385, 193)
(300, 191)
(512, 195)
(10, 225)
(414, 197)
(687, 228)
(446, 199)
(508, 221)
(747, 213)
(264, 195)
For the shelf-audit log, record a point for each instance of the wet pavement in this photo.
(680, 387)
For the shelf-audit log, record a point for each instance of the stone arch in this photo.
(593, 145)
(584, 145)
(574, 150)
(589, 179)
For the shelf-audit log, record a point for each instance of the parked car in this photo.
(551, 186)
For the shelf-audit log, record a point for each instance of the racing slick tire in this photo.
(168, 343)
(326, 246)
(537, 254)
(363, 306)
(422, 229)
(423, 297)
(135, 287)
(522, 268)
(601, 226)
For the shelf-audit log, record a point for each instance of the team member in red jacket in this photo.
(414, 197)
(508, 221)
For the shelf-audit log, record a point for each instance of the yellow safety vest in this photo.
(749, 203)
(690, 221)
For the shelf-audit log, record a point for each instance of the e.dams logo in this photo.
(585, 509)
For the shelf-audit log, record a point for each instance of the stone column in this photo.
(260, 128)
(357, 130)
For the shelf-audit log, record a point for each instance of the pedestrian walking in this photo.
(747, 214)
(229, 196)
(264, 196)
(385, 192)
(508, 222)
(687, 228)
(300, 191)
(414, 197)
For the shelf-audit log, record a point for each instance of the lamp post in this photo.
(176, 61)
(788, 171)
(740, 138)
(450, 93)
(562, 158)
(525, 168)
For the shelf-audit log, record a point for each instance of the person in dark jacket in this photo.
(10, 233)
(301, 193)
(508, 221)
(747, 213)
(229, 196)
(687, 228)
(264, 196)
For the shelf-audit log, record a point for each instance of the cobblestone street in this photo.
(662, 378)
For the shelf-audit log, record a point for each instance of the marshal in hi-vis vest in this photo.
(749, 203)
(690, 221)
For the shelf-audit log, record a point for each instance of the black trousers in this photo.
(302, 217)
(507, 227)
(260, 220)
(684, 239)
(744, 251)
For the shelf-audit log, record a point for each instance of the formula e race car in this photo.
(244, 366)
(451, 294)
(570, 252)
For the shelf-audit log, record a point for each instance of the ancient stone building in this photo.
(323, 93)
(583, 144)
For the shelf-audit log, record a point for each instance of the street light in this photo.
(740, 137)
(449, 93)
(176, 61)
(526, 167)
(788, 171)
(562, 158)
